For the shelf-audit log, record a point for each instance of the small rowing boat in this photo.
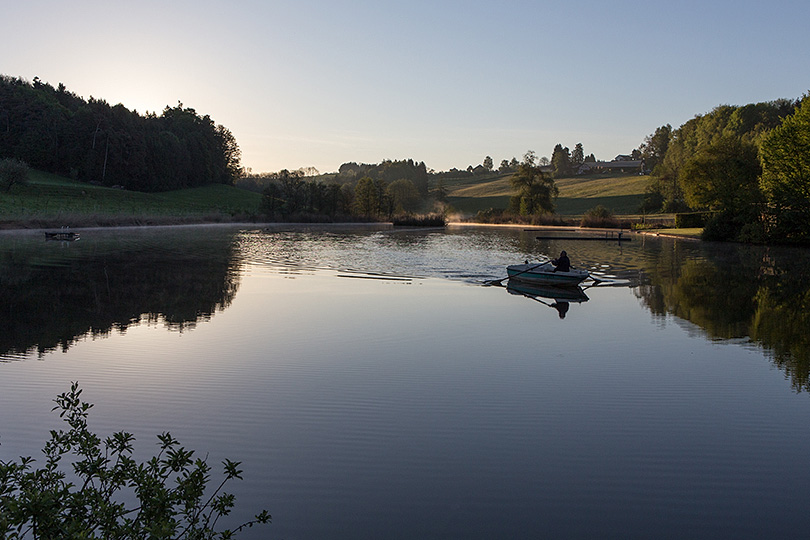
(545, 274)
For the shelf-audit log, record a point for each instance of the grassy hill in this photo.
(50, 200)
(620, 194)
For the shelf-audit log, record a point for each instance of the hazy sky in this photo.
(321, 82)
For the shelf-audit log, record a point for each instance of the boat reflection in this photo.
(559, 298)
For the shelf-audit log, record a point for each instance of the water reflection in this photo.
(739, 292)
(557, 298)
(477, 409)
(53, 296)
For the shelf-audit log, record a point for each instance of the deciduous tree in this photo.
(535, 193)
(655, 146)
(723, 177)
(12, 171)
(785, 181)
(366, 198)
(403, 195)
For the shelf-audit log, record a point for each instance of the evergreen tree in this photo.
(54, 130)
(577, 156)
(561, 161)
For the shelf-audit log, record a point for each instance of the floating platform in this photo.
(64, 236)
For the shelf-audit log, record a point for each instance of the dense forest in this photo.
(747, 168)
(54, 130)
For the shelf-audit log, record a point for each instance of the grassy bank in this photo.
(53, 201)
(693, 233)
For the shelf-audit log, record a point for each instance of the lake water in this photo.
(373, 387)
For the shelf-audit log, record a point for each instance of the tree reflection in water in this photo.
(51, 297)
(740, 292)
(49, 302)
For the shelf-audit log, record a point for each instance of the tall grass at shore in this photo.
(427, 220)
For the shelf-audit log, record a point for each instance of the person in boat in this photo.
(562, 263)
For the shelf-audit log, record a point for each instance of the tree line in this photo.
(404, 187)
(358, 190)
(55, 130)
(747, 166)
(564, 162)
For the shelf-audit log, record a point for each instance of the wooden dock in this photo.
(607, 238)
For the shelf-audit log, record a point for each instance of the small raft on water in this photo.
(545, 274)
(64, 236)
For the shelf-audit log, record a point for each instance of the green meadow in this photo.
(49, 200)
(620, 194)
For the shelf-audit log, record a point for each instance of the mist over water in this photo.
(373, 387)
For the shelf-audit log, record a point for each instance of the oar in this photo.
(596, 281)
(498, 281)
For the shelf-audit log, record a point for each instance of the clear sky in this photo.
(318, 83)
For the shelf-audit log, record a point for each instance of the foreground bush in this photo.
(600, 217)
(497, 216)
(12, 171)
(170, 489)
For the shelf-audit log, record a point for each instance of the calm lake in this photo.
(373, 387)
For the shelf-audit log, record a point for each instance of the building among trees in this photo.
(621, 164)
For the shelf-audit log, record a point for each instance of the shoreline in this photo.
(52, 225)
(694, 234)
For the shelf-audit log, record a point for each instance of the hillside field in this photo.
(49, 200)
(621, 194)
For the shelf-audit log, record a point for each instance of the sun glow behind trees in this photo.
(54, 130)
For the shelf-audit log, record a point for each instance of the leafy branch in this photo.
(170, 488)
